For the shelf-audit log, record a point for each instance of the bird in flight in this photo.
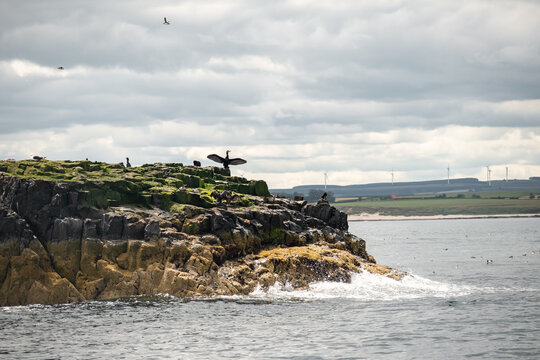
(226, 161)
(60, 68)
(165, 22)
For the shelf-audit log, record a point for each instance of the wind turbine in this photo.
(488, 175)
(448, 173)
(392, 176)
(325, 178)
(507, 174)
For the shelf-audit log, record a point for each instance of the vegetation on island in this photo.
(166, 185)
(487, 203)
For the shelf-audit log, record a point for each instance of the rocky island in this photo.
(81, 230)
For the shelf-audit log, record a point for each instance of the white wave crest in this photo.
(369, 287)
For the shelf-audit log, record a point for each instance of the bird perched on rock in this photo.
(127, 162)
(226, 161)
(165, 22)
(196, 163)
(323, 199)
(37, 158)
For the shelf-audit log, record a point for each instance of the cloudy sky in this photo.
(298, 88)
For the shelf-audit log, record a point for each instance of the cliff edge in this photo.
(80, 230)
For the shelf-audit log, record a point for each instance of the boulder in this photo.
(328, 214)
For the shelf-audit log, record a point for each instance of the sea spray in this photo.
(369, 287)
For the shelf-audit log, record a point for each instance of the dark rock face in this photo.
(14, 228)
(91, 229)
(151, 230)
(113, 226)
(54, 248)
(66, 229)
(329, 214)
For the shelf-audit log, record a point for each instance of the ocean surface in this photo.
(452, 305)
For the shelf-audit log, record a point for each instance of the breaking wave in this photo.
(369, 287)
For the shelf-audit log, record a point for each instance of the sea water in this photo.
(472, 291)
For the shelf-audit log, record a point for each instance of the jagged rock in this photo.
(329, 214)
(136, 230)
(112, 226)
(92, 229)
(27, 283)
(66, 229)
(62, 242)
(91, 252)
(14, 231)
(151, 230)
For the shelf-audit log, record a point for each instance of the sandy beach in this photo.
(379, 217)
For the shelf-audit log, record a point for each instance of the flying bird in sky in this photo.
(60, 68)
(165, 22)
(226, 161)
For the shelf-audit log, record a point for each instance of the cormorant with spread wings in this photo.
(226, 161)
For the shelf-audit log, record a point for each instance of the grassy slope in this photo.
(113, 184)
(443, 206)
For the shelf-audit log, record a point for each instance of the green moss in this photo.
(277, 235)
(202, 198)
(181, 197)
(261, 188)
(258, 188)
(198, 200)
(244, 189)
(96, 197)
(148, 184)
(188, 210)
(29, 171)
(245, 202)
(191, 228)
(174, 182)
(178, 208)
(105, 184)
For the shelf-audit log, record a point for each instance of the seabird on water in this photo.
(226, 161)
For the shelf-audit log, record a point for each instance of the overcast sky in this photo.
(297, 88)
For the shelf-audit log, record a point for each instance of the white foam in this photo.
(369, 287)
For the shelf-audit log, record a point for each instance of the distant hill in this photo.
(417, 187)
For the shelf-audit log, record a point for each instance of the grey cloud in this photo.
(246, 73)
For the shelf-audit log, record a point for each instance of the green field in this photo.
(481, 204)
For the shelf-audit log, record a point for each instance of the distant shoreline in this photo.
(379, 217)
